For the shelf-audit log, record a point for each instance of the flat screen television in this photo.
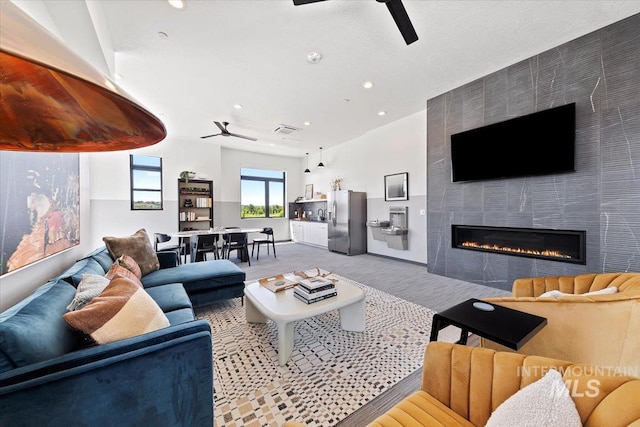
(540, 143)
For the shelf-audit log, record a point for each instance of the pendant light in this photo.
(307, 169)
(320, 165)
(54, 100)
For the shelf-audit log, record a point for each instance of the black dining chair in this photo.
(268, 240)
(160, 238)
(237, 242)
(203, 244)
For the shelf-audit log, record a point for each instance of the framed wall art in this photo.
(308, 191)
(396, 187)
(40, 200)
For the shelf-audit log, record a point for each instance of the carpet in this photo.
(331, 372)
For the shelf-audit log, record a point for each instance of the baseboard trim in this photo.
(398, 259)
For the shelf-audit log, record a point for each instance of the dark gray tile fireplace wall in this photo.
(600, 72)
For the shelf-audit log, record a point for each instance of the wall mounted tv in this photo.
(540, 143)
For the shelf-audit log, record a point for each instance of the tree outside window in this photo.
(261, 193)
(146, 182)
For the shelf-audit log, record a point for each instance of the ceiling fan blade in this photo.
(242, 136)
(220, 126)
(400, 16)
(301, 2)
(209, 136)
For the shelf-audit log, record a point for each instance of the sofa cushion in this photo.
(545, 402)
(122, 310)
(33, 330)
(137, 246)
(90, 287)
(102, 256)
(197, 276)
(170, 297)
(180, 316)
(73, 274)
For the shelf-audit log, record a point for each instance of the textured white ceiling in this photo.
(219, 53)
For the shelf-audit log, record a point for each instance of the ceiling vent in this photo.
(285, 129)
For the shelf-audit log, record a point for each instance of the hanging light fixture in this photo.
(320, 165)
(307, 169)
(53, 100)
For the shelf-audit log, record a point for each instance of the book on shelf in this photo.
(311, 301)
(311, 295)
(315, 282)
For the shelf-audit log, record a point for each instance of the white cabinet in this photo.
(297, 231)
(312, 233)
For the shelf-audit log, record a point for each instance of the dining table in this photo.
(186, 235)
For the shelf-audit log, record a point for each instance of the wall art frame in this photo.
(396, 187)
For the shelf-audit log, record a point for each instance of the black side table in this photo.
(511, 328)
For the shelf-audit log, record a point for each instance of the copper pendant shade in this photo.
(53, 100)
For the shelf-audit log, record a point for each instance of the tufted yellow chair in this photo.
(601, 330)
(462, 386)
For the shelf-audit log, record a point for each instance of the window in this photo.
(146, 182)
(261, 193)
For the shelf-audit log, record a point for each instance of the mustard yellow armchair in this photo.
(462, 386)
(600, 330)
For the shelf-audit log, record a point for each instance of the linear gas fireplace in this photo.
(555, 245)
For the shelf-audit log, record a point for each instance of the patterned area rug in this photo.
(331, 372)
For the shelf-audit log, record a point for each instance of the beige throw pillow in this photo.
(137, 246)
(545, 402)
(122, 310)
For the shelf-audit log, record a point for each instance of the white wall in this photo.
(363, 162)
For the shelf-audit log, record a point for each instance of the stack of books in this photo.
(315, 289)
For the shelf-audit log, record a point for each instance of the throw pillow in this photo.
(122, 310)
(137, 246)
(130, 264)
(556, 293)
(545, 402)
(118, 270)
(89, 287)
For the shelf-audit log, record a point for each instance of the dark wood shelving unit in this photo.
(195, 204)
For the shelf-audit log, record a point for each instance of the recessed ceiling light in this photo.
(178, 4)
(314, 57)
(307, 123)
(382, 113)
(367, 85)
(237, 106)
(163, 35)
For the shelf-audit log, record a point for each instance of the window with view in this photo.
(261, 193)
(146, 182)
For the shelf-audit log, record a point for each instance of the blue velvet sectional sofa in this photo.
(51, 376)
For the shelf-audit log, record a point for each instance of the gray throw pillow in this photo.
(90, 287)
(137, 246)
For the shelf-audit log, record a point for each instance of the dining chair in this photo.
(237, 242)
(268, 240)
(160, 238)
(203, 244)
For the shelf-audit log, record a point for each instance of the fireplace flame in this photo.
(545, 252)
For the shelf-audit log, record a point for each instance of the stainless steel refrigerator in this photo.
(347, 218)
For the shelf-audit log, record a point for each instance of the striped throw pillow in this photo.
(130, 264)
(118, 270)
(122, 310)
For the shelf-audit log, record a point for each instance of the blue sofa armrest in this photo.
(167, 259)
(163, 378)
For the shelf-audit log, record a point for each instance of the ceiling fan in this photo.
(398, 12)
(225, 132)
